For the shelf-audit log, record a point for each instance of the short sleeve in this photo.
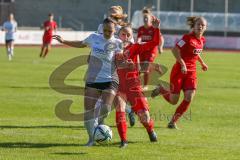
(182, 42)
(16, 25)
(89, 40)
(100, 29)
(55, 25)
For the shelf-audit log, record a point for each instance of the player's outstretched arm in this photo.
(76, 44)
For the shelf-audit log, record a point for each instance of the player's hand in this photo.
(155, 22)
(58, 38)
(184, 68)
(160, 50)
(204, 67)
(158, 69)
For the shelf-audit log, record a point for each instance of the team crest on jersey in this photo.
(109, 47)
(197, 51)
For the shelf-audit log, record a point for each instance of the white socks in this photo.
(10, 53)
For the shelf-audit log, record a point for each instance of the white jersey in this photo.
(101, 66)
(11, 28)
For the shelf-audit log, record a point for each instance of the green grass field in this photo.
(29, 128)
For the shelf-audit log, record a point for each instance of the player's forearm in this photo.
(200, 60)
(76, 44)
(161, 41)
(177, 55)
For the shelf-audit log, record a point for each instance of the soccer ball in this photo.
(102, 134)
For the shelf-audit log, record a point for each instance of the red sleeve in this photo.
(182, 43)
(55, 25)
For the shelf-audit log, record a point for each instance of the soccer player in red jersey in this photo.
(183, 75)
(145, 34)
(50, 26)
(129, 83)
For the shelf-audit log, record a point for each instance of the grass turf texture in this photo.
(29, 128)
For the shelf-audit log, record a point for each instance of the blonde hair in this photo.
(118, 16)
(146, 10)
(191, 21)
(119, 12)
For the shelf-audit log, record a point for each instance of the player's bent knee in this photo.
(144, 116)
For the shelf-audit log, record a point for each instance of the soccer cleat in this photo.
(172, 125)
(9, 57)
(131, 118)
(123, 144)
(152, 136)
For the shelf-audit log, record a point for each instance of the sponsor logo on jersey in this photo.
(98, 50)
(146, 38)
(197, 51)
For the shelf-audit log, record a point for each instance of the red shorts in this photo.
(149, 57)
(180, 81)
(132, 92)
(47, 39)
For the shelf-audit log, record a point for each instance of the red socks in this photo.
(182, 108)
(121, 125)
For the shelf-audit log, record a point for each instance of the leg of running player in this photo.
(121, 122)
(91, 96)
(48, 47)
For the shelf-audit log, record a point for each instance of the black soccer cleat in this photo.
(152, 136)
(123, 144)
(131, 118)
(172, 125)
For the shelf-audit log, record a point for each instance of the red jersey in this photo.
(146, 35)
(190, 47)
(126, 75)
(49, 27)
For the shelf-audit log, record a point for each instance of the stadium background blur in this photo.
(223, 18)
(87, 14)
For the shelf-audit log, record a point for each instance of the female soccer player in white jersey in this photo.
(102, 80)
(116, 13)
(10, 28)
